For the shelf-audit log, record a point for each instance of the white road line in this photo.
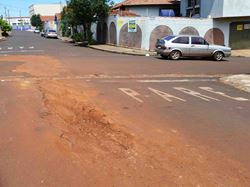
(144, 76)
(23, 51)
(31, 47)
(0, 48)
(21, 47)
(211, 90)
(10, 48)
(133, 94)
(165, 95)
(176, 81)
(196, 94)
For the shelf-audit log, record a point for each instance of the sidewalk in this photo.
(66, 39)
(239, 81)
(2, 38)
(241, 53)
(123, 50)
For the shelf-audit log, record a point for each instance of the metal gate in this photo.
(239, 35)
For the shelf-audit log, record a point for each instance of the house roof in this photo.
(47, 18)
(145, 2)
(126, 13)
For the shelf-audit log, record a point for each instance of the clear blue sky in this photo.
(15, 6)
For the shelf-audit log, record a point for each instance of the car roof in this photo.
(183, 35)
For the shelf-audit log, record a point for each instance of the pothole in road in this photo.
(84, 122)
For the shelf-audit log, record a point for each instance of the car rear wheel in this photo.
(175, 55)
(218, 56)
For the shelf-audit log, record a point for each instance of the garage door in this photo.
(240, 35)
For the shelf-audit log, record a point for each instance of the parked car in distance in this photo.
(50, 34)
(175, 47)
(36, 31)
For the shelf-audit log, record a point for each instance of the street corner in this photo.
(241, 81)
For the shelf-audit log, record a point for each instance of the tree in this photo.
(67, 21)
(36, 21)
(86, 12)
(5, 27)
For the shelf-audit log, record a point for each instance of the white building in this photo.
(19, 23)
(45, 9)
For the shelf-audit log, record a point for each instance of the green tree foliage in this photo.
(85, 12)
(5, 27)
(36, 21)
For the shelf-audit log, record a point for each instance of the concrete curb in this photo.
(133, 53)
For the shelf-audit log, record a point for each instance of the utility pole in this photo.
(20, 15)
(9, 16)
(5, 12)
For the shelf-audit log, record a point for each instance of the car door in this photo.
(182, 43)
(199, 47)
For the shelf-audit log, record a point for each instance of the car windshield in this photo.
(168, 38)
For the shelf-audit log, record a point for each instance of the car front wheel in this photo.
(218, 56)
(175, 55)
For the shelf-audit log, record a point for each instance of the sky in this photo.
(17, 7)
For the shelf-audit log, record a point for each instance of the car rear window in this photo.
(182, 40)
(168, 38)
(52, 31)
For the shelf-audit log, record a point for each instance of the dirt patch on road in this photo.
(74, 109)
(36, 65)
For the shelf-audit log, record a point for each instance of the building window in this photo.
(193, 8)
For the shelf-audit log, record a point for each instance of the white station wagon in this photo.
(179, 46)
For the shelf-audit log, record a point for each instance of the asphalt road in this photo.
(149, 95)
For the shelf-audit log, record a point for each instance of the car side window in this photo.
(181, 40)
(198, 41)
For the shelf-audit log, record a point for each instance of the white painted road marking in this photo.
(0, 48)
(31, 47)
(21, 47)
(133, 94)
(165, 96)
(22, 51)
(211, 90)
(195, 94)
(10, 48)
(177, 80)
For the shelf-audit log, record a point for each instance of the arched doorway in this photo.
(158, 33)
(130, 39)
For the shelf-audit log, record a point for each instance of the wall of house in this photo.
(149, 29)
(50, 25)
(220, 8)
(45, 9)
(236, 8)
(145, 10)
(211, 8)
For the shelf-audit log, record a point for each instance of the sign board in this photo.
(132, 27)
(239, 27)
(247, 26)
(120, 23)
